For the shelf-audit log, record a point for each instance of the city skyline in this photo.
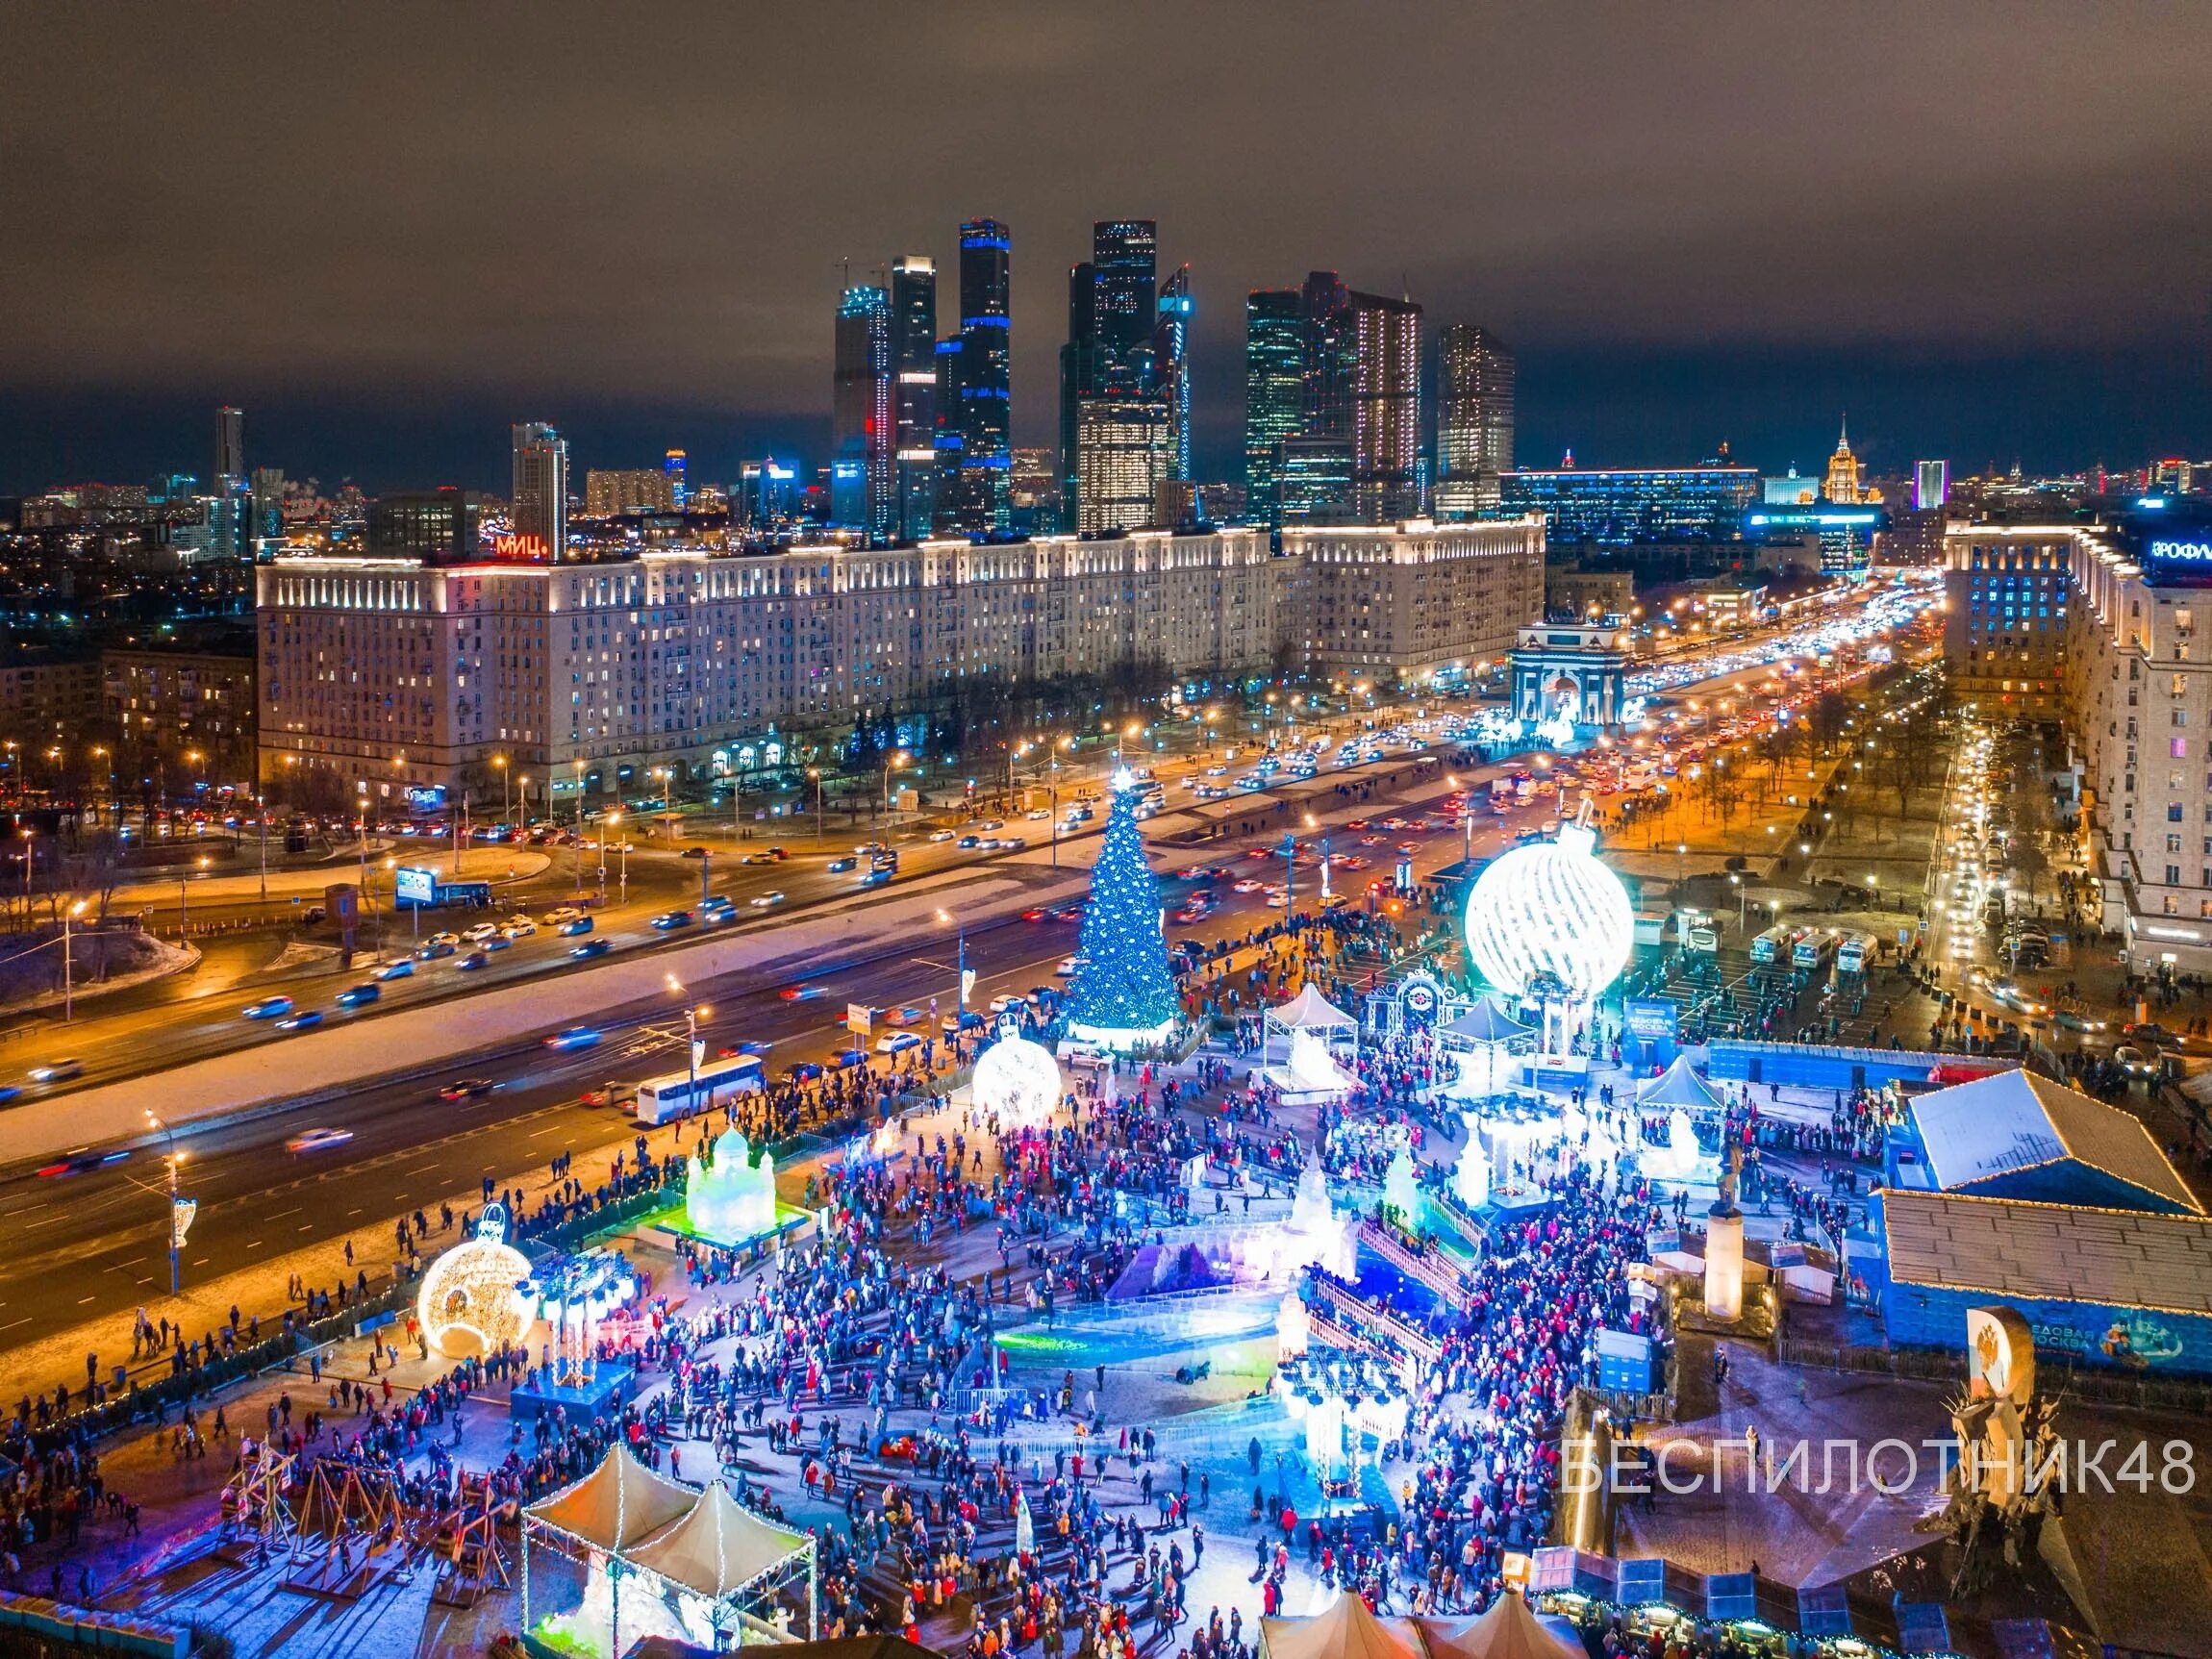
(1858, 256)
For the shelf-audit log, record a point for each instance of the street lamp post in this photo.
(506, 801)
(816, 773)
(68, 978)
(579, 827)
(692, 1014)
(179, 1218)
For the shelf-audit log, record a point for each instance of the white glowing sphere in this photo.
(1017, 1081)
(467, 1303)
(1551, 908)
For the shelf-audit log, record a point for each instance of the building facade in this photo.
(2005, 591)
(975, 432)
(392, 673)
(538, 515)
(1125, 451)
(1274, 395)
(180, 701)
(1386, 409)
(609, 492)
(862, 426)
(913, 413)
(1624, 505)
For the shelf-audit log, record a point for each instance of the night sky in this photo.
(388, 231)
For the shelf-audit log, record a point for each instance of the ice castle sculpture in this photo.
(1313, 1069)
(734, 1198)
(1471, 1177)
(1313, 1236)
(1401, 1189)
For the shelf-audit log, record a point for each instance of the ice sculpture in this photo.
(1471, 1177)
(733, 1199)
(1402, 1189)
(1313, 1069)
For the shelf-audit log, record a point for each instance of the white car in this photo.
(565, 913)
(1005, 1001)
(1068, 966)
(763, 900)
(480, 932)
(941, 835)
(1038, 815)
(522, 927)
(316, 1140)
(897, 1043)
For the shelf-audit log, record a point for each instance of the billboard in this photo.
(2178, 560)
(412, 884)
(1652, 1017)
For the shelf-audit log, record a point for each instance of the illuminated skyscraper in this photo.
(539, 515)
(1079, 378)
(1171, 365)
(1331, 352)
(1386, 409)
(1932, 484)
(1126, 446)
(1474, 420)
(230, 444)
(672, 468)
(1124, 255)
(1842, 483)
(1274, 395)
(975, 417)
(861, 413)
(914, 394)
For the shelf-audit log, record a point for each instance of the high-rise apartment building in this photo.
(1274, 395)
(612, 490)
(1474, 420)
(975, 417)
(538, 513)
(1932, 484)
(860, 420)
(1171, 364)
(914, 395)
(1126, 452)
(1386, 409)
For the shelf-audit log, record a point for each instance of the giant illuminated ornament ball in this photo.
(1551, 909)
(1017, 1081)
(469, 1302)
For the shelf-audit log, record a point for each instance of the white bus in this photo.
(1855, 953)
(1774, 943)
(680, 1094)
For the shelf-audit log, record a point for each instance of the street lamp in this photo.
(69, 982)
(960, 969)
(612, 822)
(506, 804)
(816, 774)
(895, 763)
(180, 1211)
(692, 1014)
(580, 832)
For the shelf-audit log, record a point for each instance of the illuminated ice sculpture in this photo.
(1313, 1236)
(732, 1199)
(1017, 1081)
(469, 1304)
(1552, 910)
(1314, 1068)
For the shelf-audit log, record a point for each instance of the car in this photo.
(766, 900)
(1038, 913)
(749, 1051)
(497, 941)
(482, 932)
(435, 950)
(897, 1043)
(839, 866)
(589, 949)
(941, 834)
(359, 995)
(403, 969)
(1372, 840)
(576, 926)
(756, 858)
(717, 901)
(306, 1019)
(1016, 842)
(969, 843)
(1067, 912)
(1247, 885)
(465, 1088)
(875, 877)
(82, 1159)
(845, 1059)
(565, 912)
(1407, 847)
(2151, 1034)
(801, 993)
(803, 1071)
(268, 1008)
(444, 937)
(1005, 1002)
(1069, 965)
(2134, 1062)
(611, 1096)
(473, 961)
(695, 852)
(317, 1139)
(668, 920)
(904, 1015)
(522, 927)
(573, 1037)
(952, 1024)
(56, 1070)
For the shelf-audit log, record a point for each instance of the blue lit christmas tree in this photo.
(1125, 993)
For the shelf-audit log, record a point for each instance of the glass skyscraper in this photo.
(974, 418)
(861, 413)
(1274, 395)
(1474, 420)
(1124, 255)
(1386, 409)
(914, 397)
(1171, 365)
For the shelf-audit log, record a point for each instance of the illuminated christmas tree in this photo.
(1124, 991)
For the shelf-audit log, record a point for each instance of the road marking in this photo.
(353, 1212)
(281, 1214)
(549, 1129)
(306, 1226)
(254, 1245)
(13, 1323)
(82, 1301)
(424, 1170)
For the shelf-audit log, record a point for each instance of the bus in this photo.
(1774, 943)
(1855, 953)
(1813, 948)
(680, 1094)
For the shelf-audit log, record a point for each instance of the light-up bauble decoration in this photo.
(1551, 909)
(1017, 1081)
(733, 1199)
(468, 1304)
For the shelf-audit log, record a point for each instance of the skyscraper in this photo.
(1331, 351)
(1932, 484)
(539, 516)
(1386, 407)
(1843, 481)
(1474, 420)
(1124, 255)
(1171, 365)
(1274, 395)
(672, 466)
(230, 444)
(1079, 378)
(974, 421)
(914, 397)
(861, 413)
(1126, 446)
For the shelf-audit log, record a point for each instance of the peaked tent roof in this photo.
(1679, 1085)
(617, 1504)
(1487, 1022)
(1509, 1631)
(2013, 1120)
(1344, 1630)
(2049, 1252)
(1309, 1011)
(719, 1547)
